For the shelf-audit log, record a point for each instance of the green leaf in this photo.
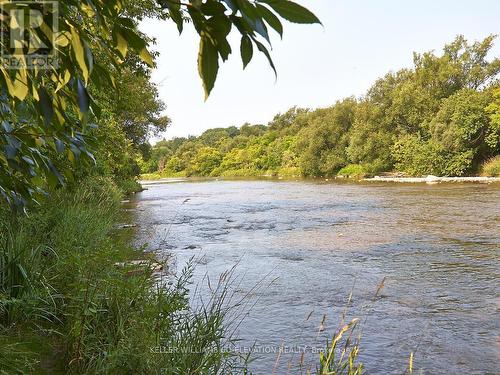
(292, 12)
(83, 96)
(59, 145)
(253, 18)
(146, 57)
(121, 44)
(176, 15)
(208, 64)
(102, 77)
(231, 5)
(218, 28)
(10, 151)
(197, 18)
(133, 39)
(270, 18)
(213, 8)
(79, 52)
(264, 50)
(90, 58)
(46, 106)
(246, 49)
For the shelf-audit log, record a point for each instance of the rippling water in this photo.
(314, 242)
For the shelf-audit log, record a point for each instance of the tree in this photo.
(48, 112)
(441, 117)
(323, 144)
(458, 138)
(205, 161)
(135, 105)
(371, 138)
(493, 109)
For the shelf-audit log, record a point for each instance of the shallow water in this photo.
(310, 243)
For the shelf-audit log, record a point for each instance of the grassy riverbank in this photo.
(66, 307)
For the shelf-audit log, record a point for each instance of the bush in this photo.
(417, 157)
(353, 170)
(129, 186)
(491, 167)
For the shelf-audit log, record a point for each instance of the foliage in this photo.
(417, 157)
(460, 136)
(491, 167)
(82, 308)
(47, 114)
(441, 118)
(352, 170)
(205, 161)
(493, 109)
(134, 105)
(349, 352)
(323, 143)
(214, 19)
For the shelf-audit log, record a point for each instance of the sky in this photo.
(360, 41)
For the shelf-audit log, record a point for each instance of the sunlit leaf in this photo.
(146, 57)
(121, 44)
(79, 51)
(208, 64)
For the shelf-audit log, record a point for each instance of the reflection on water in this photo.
(437, 245)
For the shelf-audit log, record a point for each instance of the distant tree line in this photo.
(441, 117)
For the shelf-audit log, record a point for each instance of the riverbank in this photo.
(341, 179)
(76, 297)
(434, 179)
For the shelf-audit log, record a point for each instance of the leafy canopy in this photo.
(47, 114)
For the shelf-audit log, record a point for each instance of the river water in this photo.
(307, 244)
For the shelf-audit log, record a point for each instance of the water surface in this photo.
(313, 242)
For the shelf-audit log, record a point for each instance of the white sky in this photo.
(360, 42)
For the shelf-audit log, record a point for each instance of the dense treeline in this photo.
(440, 117)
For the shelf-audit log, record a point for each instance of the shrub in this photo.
(491, 167)
(353, 170)
(417, 157)
(129, 186)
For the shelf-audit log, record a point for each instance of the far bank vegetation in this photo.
(441, 117)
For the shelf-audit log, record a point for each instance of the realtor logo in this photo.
(29, 32)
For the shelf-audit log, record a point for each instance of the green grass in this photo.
(66, 307)
(70, 302)
(491, 167)
(353, 171)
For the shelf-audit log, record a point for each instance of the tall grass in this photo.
(66, 307)
(70, 302)
(491, 167)
(341, 356)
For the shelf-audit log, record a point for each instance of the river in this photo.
(308, 244)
